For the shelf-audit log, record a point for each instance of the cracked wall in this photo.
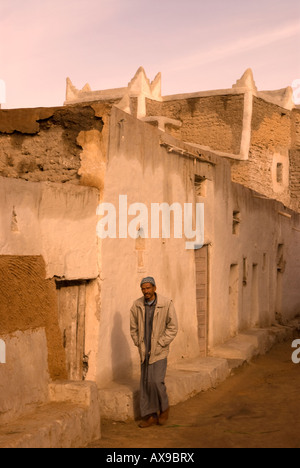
(52, 168)
(42, 145)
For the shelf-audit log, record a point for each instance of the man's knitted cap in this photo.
(148, 279)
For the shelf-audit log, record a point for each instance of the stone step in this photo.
(70, 419)
(185, 379)
(120, 401)
(251, 343)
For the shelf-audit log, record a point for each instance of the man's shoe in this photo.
(151, 421)
(163, 417)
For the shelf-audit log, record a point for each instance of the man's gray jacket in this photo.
(164, 330)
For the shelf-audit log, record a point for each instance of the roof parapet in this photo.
(140, 86)
(280, 97)
(246, 82)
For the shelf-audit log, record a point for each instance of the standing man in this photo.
(153, 326)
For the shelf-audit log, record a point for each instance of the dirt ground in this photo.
(257, 407)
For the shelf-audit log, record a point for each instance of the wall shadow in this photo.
(120, 356)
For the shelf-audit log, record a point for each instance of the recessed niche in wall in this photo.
(234, 299)
(236, 222)
(279, 173)
(200, 186)
(255, 297)
(14, 221)
(245, 271)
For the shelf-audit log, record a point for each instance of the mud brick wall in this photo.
(40, 145)
(295, 160)
(28, 301)
(214, 121)
(271, 128)
(271, 134)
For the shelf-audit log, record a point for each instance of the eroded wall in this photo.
(272, 168)
(48, 232)
(212, 121)
(41, 144)
(50, 186)
(28, 301)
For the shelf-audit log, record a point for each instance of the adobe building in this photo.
(66, 293)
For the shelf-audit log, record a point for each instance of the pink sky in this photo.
(196, 44)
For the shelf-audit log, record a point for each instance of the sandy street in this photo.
(257, 407)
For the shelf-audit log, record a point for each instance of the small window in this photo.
(236, 222)
(280, 258)
(279, 173)
(200, 186)
(245, 271)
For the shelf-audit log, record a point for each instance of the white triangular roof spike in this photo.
(70, 84)
(140, 71)
(246, 81)
(140, 82)
(288, 98)
(86, 88)
(71, 90)
(156, 86)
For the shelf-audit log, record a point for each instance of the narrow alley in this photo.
(257, 407)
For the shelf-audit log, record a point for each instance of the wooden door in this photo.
(201, 260)
(71, 309)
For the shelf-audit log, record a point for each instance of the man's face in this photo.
(149, 291)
